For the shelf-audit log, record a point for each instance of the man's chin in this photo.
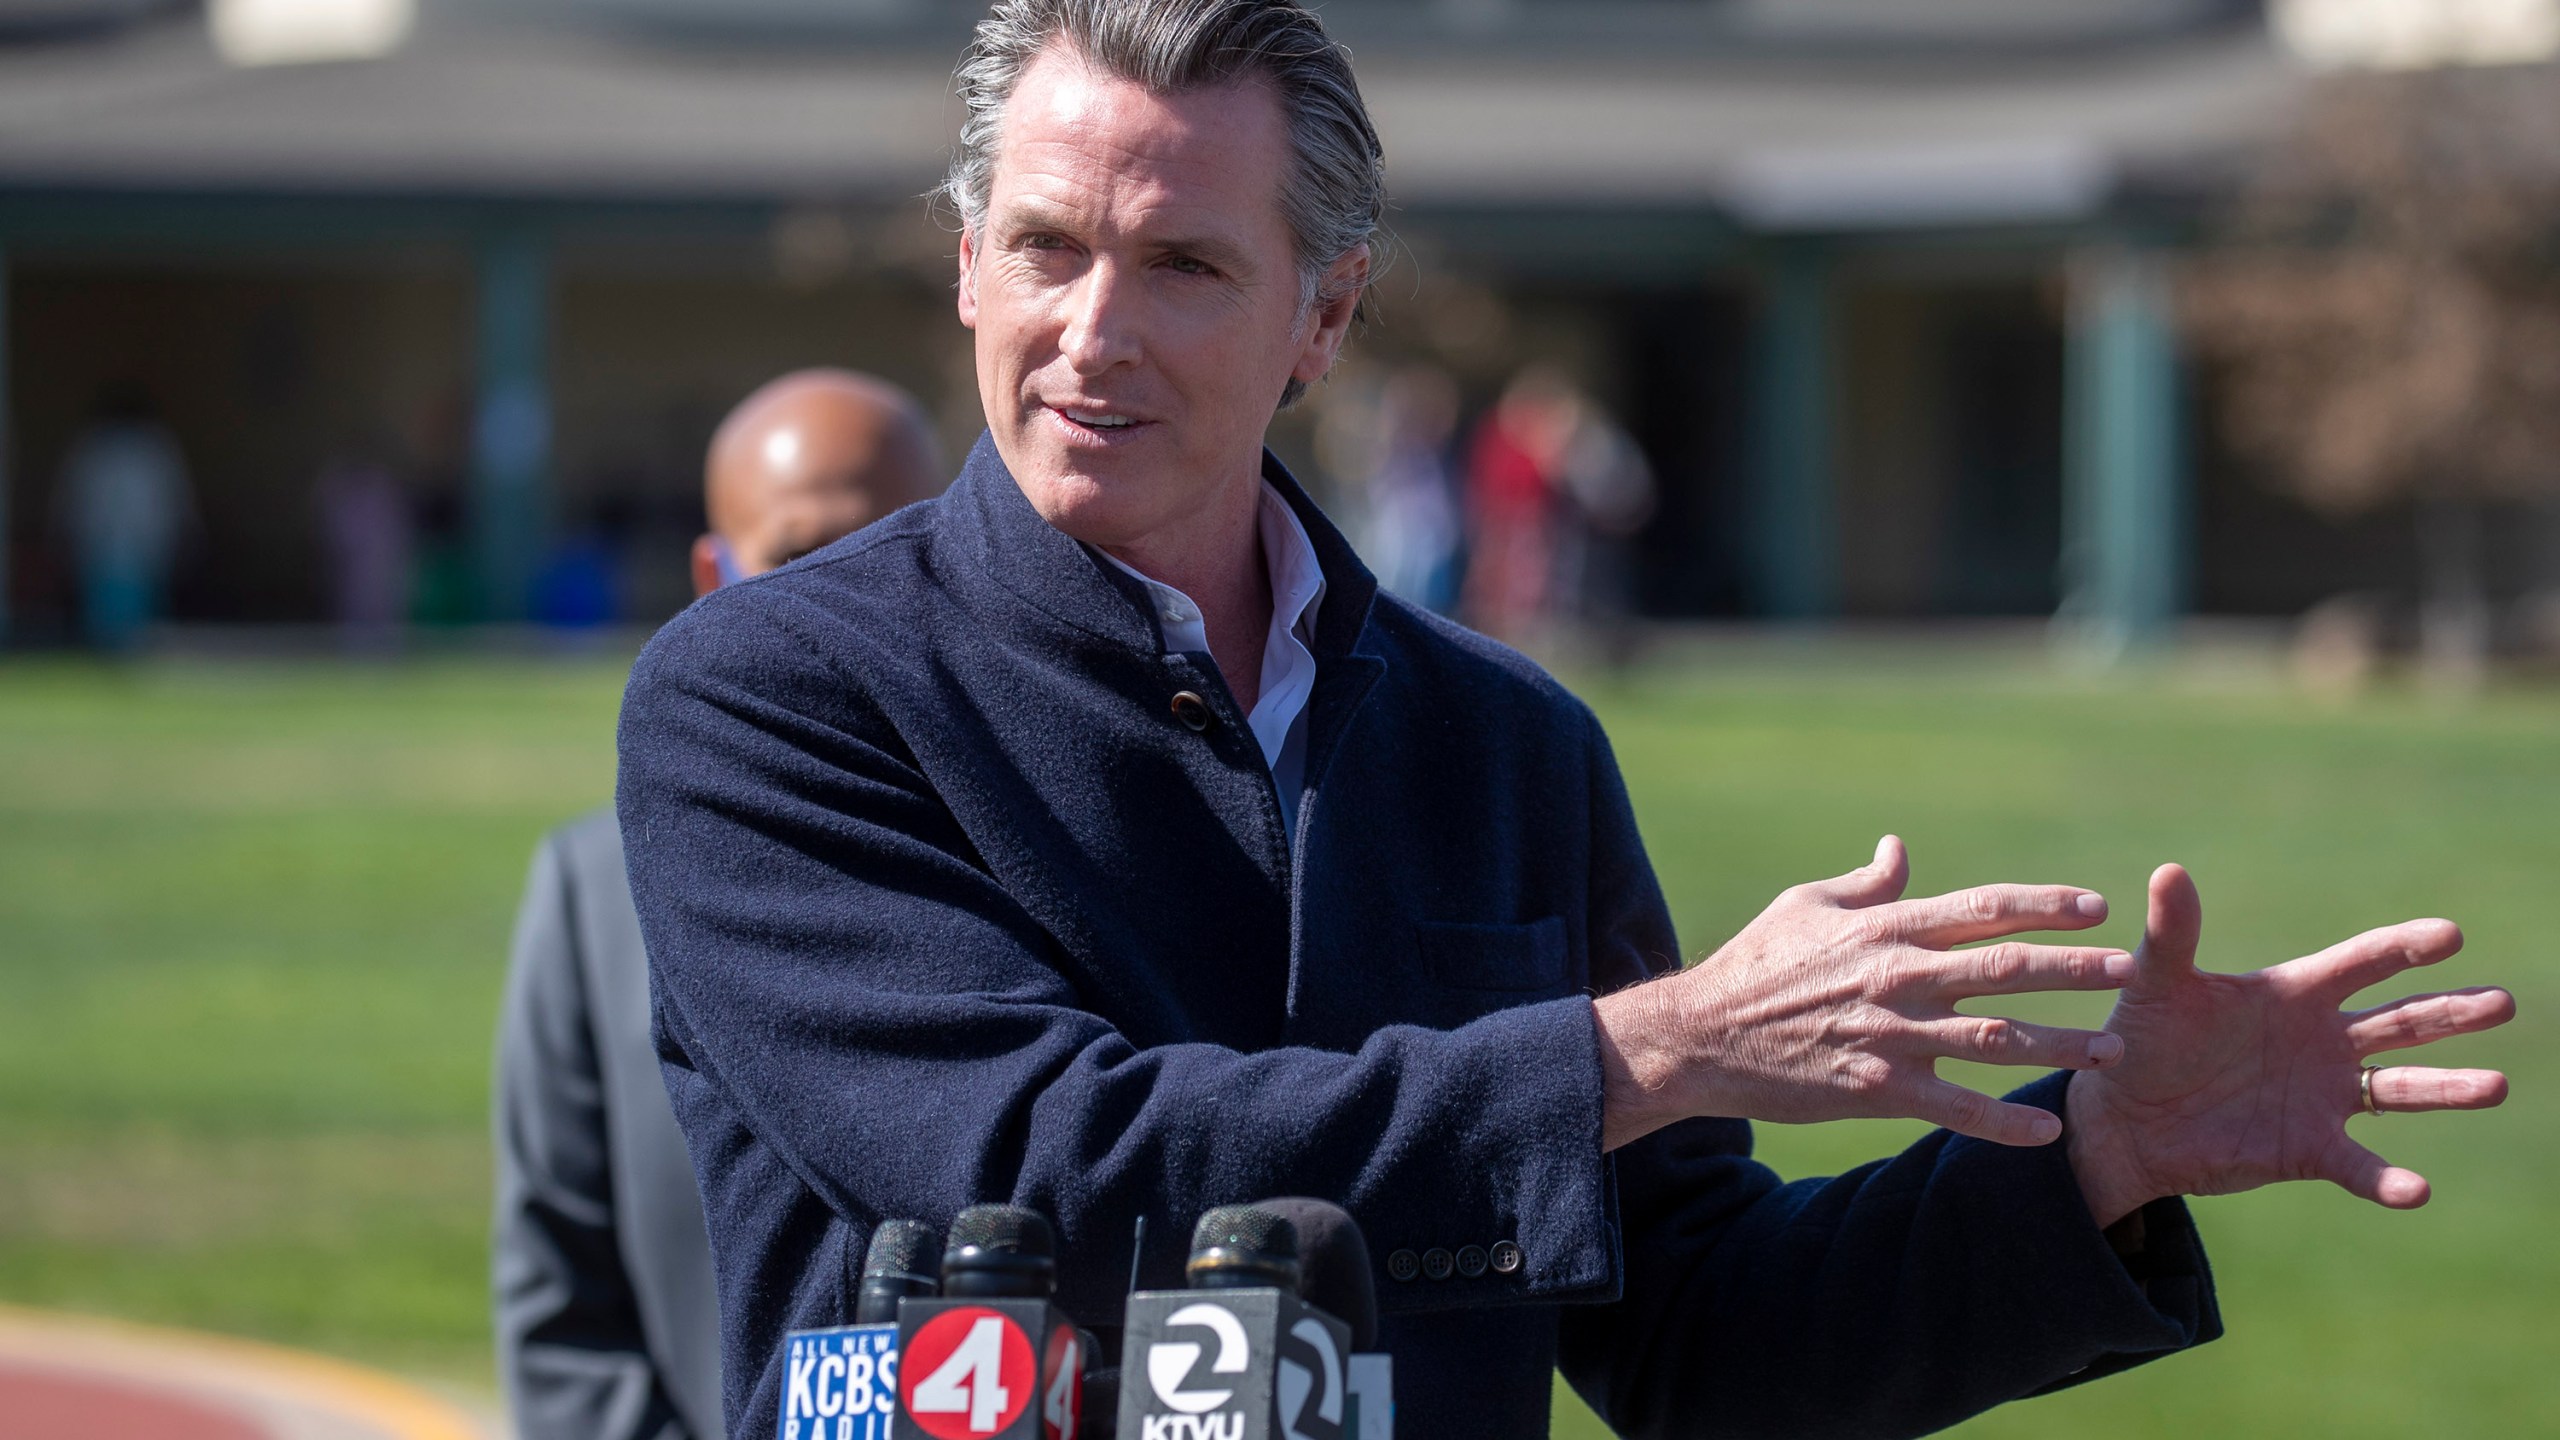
(1097, 504)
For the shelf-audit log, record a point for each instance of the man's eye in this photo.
(1188, 266)
(1042, 242)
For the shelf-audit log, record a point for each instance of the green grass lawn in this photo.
(253, 918)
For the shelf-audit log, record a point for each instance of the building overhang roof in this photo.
(480, 109)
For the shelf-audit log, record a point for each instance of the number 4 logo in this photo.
(1064, 1404)
(967, 1373)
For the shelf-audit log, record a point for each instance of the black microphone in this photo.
(842, 1383)
(1001, 1251)
(1333, 1258)
(1240, 1356)
(991, 1358)
(1243, 1247)
(904, 1257)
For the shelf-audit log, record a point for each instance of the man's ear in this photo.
(1345, 280)
(968, 291)
(706, 566)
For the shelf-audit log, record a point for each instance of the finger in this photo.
(2014, 967)
(2425, 1019)
(2368, 1176)
(1987, 912)
(2375, 956)
(2172, 927)
(1878, 881)
(1970, 1112)
(1998, 1040)
(2405, 1089)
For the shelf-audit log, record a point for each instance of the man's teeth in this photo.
(1099, 421)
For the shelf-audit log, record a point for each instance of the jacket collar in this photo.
(987, 513)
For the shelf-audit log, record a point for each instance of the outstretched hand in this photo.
(1840, 999)
(2230, 1082)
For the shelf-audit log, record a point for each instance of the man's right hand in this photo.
(1839, 1000)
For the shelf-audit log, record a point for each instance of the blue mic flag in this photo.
(840, 1384)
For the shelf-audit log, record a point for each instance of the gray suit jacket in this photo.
(608, 1328)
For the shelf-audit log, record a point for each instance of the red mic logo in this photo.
(967, 1373)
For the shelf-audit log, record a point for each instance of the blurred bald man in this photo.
(807, 460)
(607, 1324)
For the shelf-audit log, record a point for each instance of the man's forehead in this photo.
(1075, 134)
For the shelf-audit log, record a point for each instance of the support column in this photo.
(2125, 542)
(1795, 540)
(8, 447)
(511, 428)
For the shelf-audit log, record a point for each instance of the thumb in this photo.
(1877, 882)
(2170, 931)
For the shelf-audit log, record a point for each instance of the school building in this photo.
(1882, 286)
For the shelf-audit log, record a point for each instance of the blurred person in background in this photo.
(124, 506)
(1413, 508)
(1512, 471)
(606, 1317)
(1607, 490)
(370, 533)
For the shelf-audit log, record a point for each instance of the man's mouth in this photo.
(1096, 421)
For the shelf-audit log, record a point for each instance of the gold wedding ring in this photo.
(2364, 1088)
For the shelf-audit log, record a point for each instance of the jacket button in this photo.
(1437, 1264)
(1192, 711)
(1506, 1258)
(1471, 1261)
(1404, 1265)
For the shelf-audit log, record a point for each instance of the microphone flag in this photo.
(993, 1368)
(840, 1384)
(1243, 1364)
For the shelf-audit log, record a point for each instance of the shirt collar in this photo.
(985, 520)
(1288, 554)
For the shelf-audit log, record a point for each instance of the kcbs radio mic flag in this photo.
(992, 1359)
(1238, 1356)
(842, 1383)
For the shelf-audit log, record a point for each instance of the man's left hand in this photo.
(2230, 1082)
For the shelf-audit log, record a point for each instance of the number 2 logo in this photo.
(967, 1373)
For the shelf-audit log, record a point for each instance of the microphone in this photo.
(1244, 1247)
(1240, 1355)
(1334, 1257)
(904, 1256)
(991, 1358)
(842, 1383)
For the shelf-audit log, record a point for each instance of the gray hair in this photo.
(1334, 201)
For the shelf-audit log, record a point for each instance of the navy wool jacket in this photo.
(944, 904)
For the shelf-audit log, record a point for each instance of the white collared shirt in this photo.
(1279, 718)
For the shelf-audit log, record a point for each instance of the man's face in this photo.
(801, 514)
(1135, 294)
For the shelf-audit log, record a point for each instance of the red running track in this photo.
(49, 1405)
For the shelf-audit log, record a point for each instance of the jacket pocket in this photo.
(1513, 959)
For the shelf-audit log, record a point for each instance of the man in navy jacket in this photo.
(1099, 838)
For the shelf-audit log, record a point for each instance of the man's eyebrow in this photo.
(1209, 249)
(1033, 215)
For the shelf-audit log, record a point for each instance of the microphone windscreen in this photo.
(1246, 1229)
(1242, 1246)
(1333, 1258)
(1003, 1229)
(903, 1250)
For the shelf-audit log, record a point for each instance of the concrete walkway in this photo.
(67, 1377)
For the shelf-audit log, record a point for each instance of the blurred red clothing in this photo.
(1510, 513)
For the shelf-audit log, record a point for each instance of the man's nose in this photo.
(1102, 320)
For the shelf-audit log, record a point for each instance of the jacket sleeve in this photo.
(1894, 1300)
(831, 959)
(570, 1344)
